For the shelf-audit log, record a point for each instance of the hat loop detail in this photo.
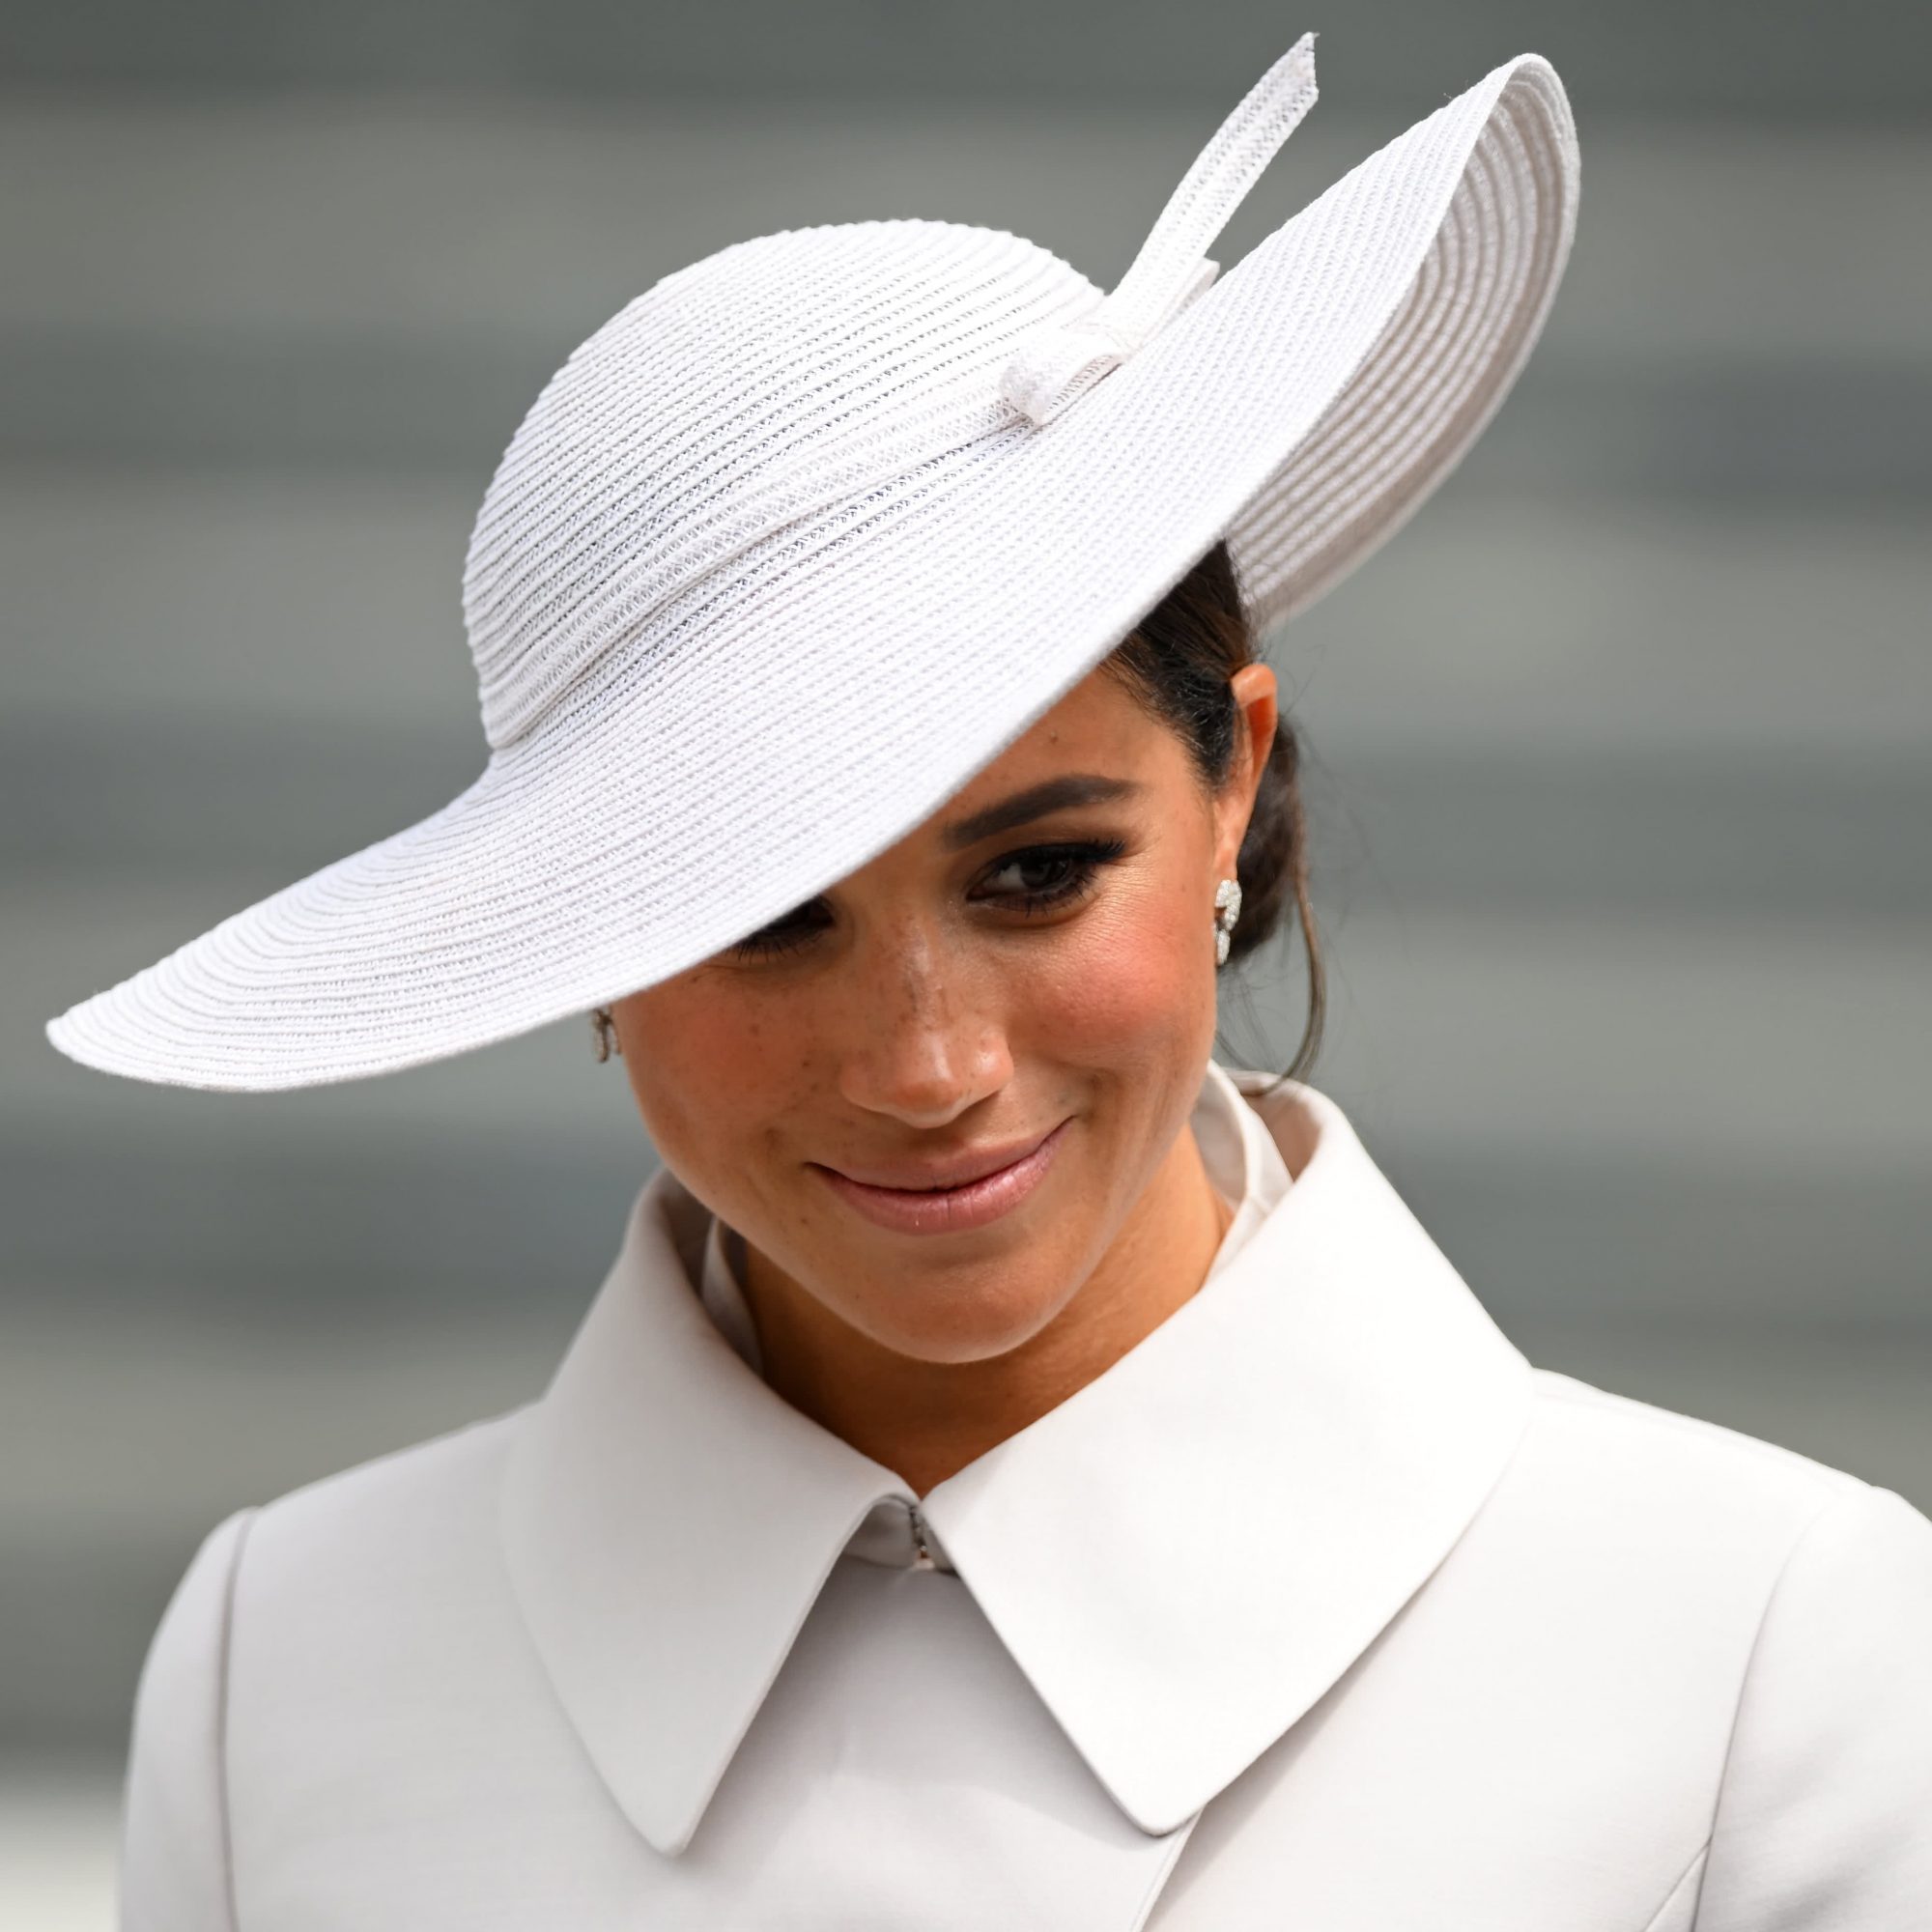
(1061, 364)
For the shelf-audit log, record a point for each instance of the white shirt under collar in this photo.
(1122, 1628)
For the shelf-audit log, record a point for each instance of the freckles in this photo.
(701, 1058)
(709, 1026)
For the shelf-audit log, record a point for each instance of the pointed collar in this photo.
(1182, 1557)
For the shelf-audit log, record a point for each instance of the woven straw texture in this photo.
(808, 532)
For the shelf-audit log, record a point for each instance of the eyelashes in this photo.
(1081, 864)
(791, 934)
(1074, 867)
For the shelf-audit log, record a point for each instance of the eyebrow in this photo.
(1036, 801)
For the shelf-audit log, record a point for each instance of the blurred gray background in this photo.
(1621, 777)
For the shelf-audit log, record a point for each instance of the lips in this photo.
(986, 1193)
(927, 1176)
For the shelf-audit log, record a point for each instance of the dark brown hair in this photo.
(1178, 662)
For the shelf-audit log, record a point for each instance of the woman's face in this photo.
(1033, 964)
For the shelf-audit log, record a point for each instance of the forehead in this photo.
(1098, 727)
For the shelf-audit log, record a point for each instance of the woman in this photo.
(1016, 1471)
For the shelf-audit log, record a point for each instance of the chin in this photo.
(959, 1321)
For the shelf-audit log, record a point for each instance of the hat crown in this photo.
(749, 390)
(784, 376)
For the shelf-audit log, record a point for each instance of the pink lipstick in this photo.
(950, 1210)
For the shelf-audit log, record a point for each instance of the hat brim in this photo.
(1301, 408)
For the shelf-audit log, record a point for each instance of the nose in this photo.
(925, 1040)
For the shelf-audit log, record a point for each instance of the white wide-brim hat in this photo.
(808, 534)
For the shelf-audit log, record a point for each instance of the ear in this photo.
(1254, 689)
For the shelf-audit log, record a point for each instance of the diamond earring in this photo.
(604, 1030)
(1227, 910)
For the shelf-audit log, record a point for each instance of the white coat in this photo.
(1320, 1609)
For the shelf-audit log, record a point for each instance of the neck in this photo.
(927, 1420)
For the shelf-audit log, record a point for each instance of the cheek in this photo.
(709, 1074)
(1125, 984)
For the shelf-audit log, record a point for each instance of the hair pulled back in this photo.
(1178, 662)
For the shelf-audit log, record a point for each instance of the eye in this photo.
(789, 934)
(1057, 875)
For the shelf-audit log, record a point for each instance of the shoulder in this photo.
(299, 1593)
(1823, 1584)
(402, 1517)
(369, 1576)
(1742, 1631)
(1690, 1497)
(174, 1860)
(1626, 1452)
(404, 1505)
(1653, 1547)
(386, 1544)
(1798, 1600)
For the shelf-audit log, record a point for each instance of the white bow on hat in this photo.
(1171, 268)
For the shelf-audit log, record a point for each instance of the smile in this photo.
(949, 1210)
